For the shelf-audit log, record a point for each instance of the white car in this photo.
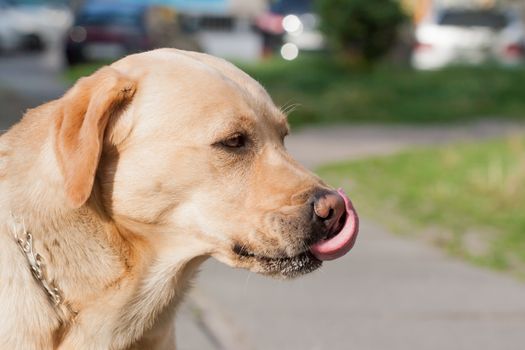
(469, 36)
(221, 27)
(32, 24)
(10, 39)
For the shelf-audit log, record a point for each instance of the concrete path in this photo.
(315, 146)
(36, 76)
(388, 293)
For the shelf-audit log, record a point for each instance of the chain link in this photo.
(36, 263)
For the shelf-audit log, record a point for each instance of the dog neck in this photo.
(96, 263)
(118, 281)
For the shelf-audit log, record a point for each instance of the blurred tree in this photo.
(361, 29)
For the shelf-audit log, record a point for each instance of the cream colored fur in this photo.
(122, 244)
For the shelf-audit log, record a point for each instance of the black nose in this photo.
(329, 210)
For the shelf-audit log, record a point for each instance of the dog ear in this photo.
(84, 113)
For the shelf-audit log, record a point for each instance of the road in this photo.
(389, 292)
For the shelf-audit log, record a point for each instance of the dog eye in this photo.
(236, 141)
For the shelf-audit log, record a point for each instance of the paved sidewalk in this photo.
(320, 145)
(35, 76)
(388, 293)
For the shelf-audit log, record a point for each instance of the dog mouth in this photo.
(280, 266)
(339, 240)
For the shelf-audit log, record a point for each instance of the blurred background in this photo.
(415, 107)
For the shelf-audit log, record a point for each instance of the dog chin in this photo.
(282, 267)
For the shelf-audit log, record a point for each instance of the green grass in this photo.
(328, 92)
(467, 198)
(73, 73)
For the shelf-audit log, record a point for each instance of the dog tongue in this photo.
(340, 244)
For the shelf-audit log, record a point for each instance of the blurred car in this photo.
(469, 36)
(10, 39)
(291, 26)
(32, 24)
(222, 27)
(106, 31)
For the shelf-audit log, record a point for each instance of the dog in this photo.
(113, 195)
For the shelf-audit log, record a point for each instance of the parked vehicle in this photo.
(106, 31)
(109, 30)
(291, 26)
(10, 39)
(469, 36)
(32, 24)
(222, 27)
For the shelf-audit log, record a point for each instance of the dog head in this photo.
(188, 149)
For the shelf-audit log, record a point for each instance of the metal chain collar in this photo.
(36, 263)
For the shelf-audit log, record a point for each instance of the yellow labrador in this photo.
(113, 195)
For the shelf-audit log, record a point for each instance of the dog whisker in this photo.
(246, 282)
(288, 109)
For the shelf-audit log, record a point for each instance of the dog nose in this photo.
(329, 207)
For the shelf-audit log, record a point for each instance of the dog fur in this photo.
(128, 183)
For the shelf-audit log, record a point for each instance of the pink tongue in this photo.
(340, 244)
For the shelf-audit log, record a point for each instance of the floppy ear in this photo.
(84, 113)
